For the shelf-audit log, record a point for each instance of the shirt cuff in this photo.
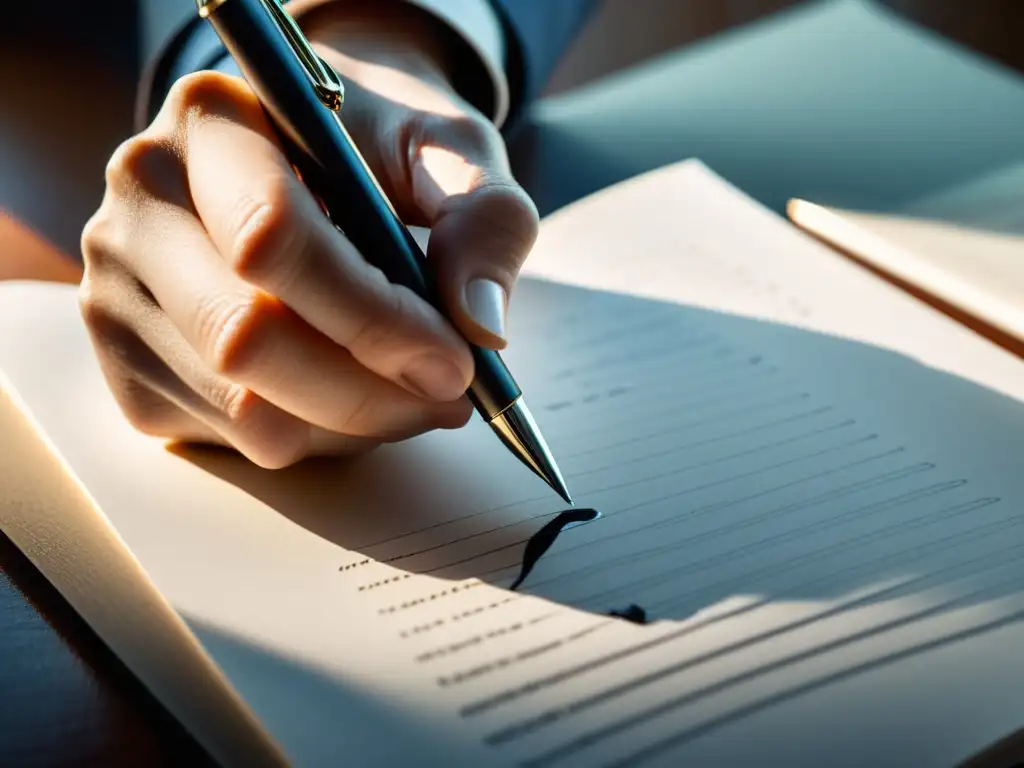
(477, 23)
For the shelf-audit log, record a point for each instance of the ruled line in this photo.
(507, 696)
(593, 737)
(677, 494)
(645, 400)
(632, 331)
(469, 537)
(920, 521)
(636, 357)
(480, 638)
(745, 431)
(682, 569)
(688, 735)
(759, 407)
(739, 454)
(558, 714)
(503, 507)
(719, 505)
(687, 468)
(525, 655)
(831, 495)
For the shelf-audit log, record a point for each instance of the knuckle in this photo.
(358, 419)
(511, 213)
(112, 324)
(267, 436)
(470, 135)
(105, 237)
(506, 205)
(97, 239)
(239, 405)
(94, 310)
(504, 221)
(146, 162)
(122, 354)
(145, 410)
(472, 131)
(93, 233)
(234, 331)
(204, 93)
(478, 132)
(269, 241)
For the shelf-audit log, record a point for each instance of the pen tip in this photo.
(517, 429)
(558, 485)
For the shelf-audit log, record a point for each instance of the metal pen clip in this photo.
(322, 77)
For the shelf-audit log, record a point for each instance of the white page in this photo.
(978, 271)
(963, 245)
(810, 473)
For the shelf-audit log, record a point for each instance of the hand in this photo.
(225, 308)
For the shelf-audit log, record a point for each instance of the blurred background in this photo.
(67, 85)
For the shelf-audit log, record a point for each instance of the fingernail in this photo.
(486, 302)
(434, 378)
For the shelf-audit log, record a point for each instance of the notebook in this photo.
(809, 548)
(962, 247)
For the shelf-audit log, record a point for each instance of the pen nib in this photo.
(517, 429)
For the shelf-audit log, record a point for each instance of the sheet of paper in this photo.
(808, 483)
(963, 245)
(46, 513)
(977, 271)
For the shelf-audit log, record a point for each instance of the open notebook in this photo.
(809, 487)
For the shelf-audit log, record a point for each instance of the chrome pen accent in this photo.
(519, 432)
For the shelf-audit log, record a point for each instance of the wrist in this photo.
(392, 33)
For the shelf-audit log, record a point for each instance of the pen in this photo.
(302, 95)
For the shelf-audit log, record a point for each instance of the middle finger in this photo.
(256, 341)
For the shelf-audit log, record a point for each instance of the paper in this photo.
(48, 515)
(963, 246)
(807, 481)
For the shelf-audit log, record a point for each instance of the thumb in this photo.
(483, 224)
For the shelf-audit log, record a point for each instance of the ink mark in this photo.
(542, 540)
(633, 613)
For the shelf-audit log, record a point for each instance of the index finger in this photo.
(274, 235)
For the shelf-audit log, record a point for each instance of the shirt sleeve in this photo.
(537, 35)
(510, 47)
(477, 33)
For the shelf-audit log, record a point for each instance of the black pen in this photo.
(302, 95)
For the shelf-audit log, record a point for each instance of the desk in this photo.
(66, 700)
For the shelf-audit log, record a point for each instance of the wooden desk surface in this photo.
(65, 699)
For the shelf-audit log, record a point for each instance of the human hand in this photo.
(225, 308)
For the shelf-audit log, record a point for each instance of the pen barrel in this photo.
(331, 166)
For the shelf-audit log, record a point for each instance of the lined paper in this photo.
(807, 481)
